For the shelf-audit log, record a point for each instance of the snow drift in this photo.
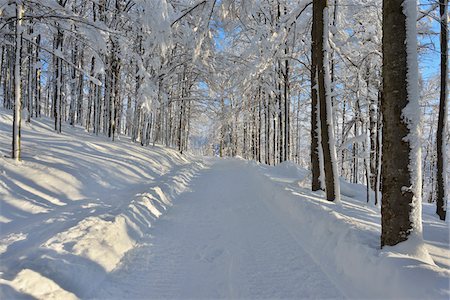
(344, 240)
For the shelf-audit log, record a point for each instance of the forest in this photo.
(353, 93)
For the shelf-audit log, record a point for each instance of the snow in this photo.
(34, 284)
(346, 244)
(99, 240)
(77, 203)
(411, 116)
(222, 240)
(84, 217)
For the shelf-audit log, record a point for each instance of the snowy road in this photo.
(221, 240)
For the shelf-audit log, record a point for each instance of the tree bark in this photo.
(17, 85)
(441, 180)
(401, 204)
(315, 130)
(320, 19)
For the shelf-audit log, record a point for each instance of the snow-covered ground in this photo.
(82, 217)
(345, 241)
(76, 204)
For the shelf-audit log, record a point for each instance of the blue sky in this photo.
(429, 62)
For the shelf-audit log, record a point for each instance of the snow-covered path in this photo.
(221, 240)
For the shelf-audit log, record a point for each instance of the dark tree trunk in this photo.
(315, 165)
(37, 86)
(322, 69)
(373, 137)
(378, 147)
(442, 122)
(397, 169)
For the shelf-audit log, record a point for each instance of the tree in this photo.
(322, 70)
(17, 84)
(316, 149)
(441, 180)
(401, 167)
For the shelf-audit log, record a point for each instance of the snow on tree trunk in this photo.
(320, 150)
(334, 177)
(401, 172)
(320, 54)
(17, 84)
(316, 149)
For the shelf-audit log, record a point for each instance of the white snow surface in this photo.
(84, 217)
(76, 204)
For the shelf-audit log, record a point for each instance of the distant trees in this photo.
(255, 50)
(260, 56)
(346, 97)
(114, 67)
(401, 167)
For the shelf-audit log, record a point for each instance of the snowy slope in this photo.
(76, 204)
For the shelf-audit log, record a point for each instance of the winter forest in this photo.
(224, 149)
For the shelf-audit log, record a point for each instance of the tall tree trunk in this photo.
(344, 106)
(267, 127)
(378, 147)
(441, 180)
(286, 109)
(315, 130)
(57, 88)
(17, 84)
(259, 125)
(372, 134)
(30, 89)
(73, 87)
(222, 130)
(320, 19)
(37, 81)
(80, 90)
(401, 186)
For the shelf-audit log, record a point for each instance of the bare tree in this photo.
(401, 171)
(322, 69)
(441, 180)
(315, 116)
(17, 84)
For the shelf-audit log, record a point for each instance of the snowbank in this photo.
(287, 172)
(76, 204)
(345, 238)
